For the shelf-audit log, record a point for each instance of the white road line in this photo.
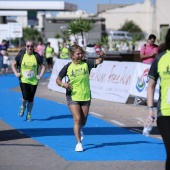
(59, 103)
(20, 132)
(43, 83)
(136, 130)
(118, 123)
(141, 121)
(96, 114)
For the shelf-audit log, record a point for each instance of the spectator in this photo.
(149, 51)
(1, 62)
(3, 45)
(40, 48)
(5, 61)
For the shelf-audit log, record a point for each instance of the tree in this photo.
(73, 29)
(31, 34)
(134, 29)
(131, 27)
(80, 26)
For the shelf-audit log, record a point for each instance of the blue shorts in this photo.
(5, 66)
(81, 103)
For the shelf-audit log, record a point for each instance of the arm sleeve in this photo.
(63, 71)
(18, 58)
(91, 63)
(40, 59)
(153, 72)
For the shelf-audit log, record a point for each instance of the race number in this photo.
(29, 74)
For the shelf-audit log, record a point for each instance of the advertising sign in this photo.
(15, 30)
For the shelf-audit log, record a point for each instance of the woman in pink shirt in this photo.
(149, 51)
(40, 48)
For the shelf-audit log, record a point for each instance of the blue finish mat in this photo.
(52, 126)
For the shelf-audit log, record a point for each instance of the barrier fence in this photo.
(112, 80)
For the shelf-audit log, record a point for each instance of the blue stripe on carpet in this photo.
(52, 126)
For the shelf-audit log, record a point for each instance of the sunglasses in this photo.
(29, 46)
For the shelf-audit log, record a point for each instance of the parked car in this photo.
(119, 35)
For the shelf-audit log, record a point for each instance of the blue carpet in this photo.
(52, 126)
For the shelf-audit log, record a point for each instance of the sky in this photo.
(90, 6)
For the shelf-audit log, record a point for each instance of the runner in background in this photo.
(28, 62)
(64, 51)
(49, 54)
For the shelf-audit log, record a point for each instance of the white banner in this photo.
(140, 82)
(59, 64)
(14, 30)
(112, 80)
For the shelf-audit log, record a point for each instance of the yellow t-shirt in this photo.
(29, 69)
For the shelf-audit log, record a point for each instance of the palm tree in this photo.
(73, 29)
(80, 26)
(105, 41)
(86, 26)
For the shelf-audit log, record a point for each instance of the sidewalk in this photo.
(22, 152)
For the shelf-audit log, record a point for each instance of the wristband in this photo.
(150, 108)
(62, 85)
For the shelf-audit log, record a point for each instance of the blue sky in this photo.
(90, 6)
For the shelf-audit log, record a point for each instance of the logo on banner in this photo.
(142, 81)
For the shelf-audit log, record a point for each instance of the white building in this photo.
(151, 16)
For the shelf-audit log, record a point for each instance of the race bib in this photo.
(29, 74)
(49, 55)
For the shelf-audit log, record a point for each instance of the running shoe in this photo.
(79, 147)
(82, 135)
(21, 111)
(28, 118)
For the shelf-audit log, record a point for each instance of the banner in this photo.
(15, 30)
(140, 82)
(112, 81)
(58, 65)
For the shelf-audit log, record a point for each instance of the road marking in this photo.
(136, 130)
(96, 114)
(43, 83)
(118, 123)
(141, 121)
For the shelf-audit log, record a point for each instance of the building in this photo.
(26, 12)
(55, 25)
(151, 16)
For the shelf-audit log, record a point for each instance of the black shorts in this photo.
(28, 91)
(49, 61)
(81, 103)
